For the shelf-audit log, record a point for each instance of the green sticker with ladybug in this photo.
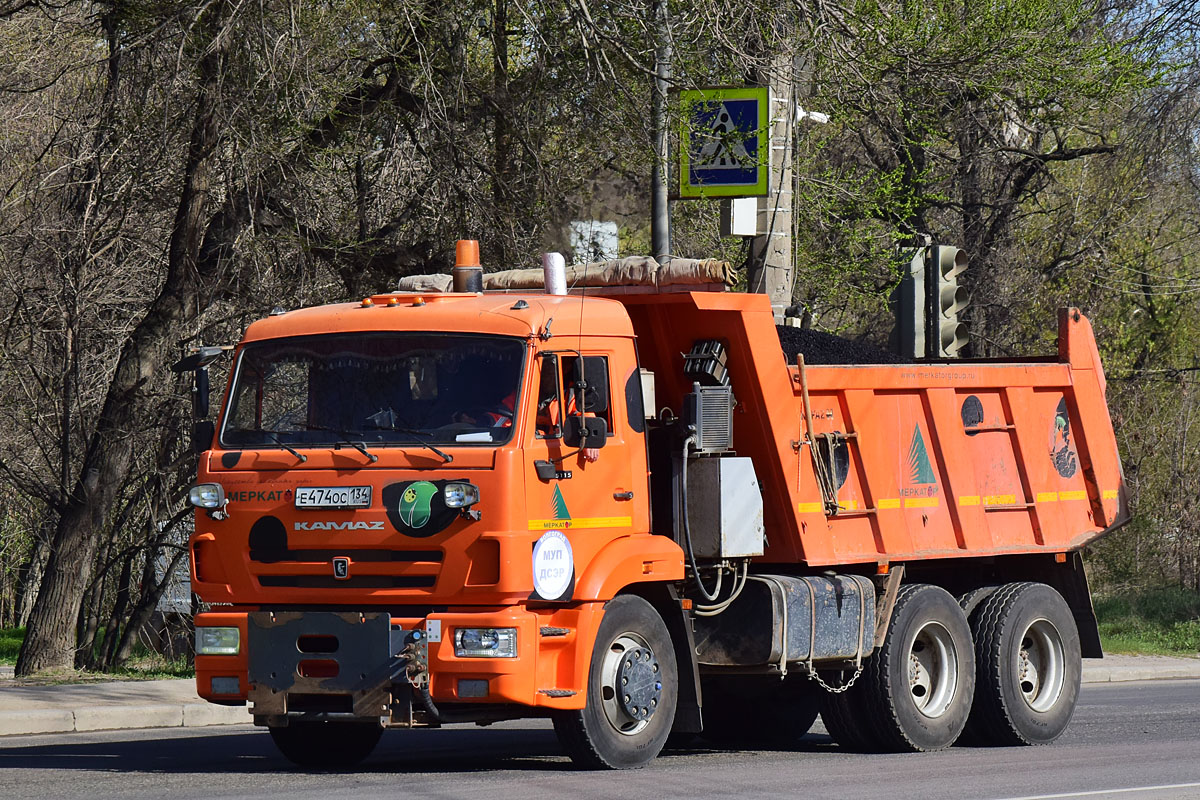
(418, 508)
(414, 504)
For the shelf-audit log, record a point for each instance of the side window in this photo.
(549, 408)
(590, 375)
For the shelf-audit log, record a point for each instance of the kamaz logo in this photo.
(338, 526)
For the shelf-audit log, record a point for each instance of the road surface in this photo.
(1139, 741)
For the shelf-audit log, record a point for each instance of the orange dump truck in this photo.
(632, 515)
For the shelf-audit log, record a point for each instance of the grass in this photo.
(10, 644)
(144, 665)
(1150, 621)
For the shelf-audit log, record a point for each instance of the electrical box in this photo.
(725, 508)
(649, 403)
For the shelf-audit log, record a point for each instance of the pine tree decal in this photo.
(920, 470)
(560, 505)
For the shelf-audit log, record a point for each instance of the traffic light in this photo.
(908, 303)
(946, 335)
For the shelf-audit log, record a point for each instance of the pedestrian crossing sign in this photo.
(726, 142)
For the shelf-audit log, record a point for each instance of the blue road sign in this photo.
(726, 143)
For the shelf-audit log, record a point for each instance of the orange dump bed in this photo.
(929, 460)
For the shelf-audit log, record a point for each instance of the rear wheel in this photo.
(919, 684)
(632, 691)
(326, 745)
(1029, 666)
(845, 716)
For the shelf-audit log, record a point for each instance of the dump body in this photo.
(934, 461)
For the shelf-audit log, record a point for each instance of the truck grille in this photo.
(274, 564)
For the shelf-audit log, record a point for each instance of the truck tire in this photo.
(919, 685)
(326, 745)
(756, 710)
(1028, 666)
(845, 717)
(632, 690)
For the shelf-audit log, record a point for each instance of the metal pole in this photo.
(660, 209)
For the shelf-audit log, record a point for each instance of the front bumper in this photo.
(349, 664)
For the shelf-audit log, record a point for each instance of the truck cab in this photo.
(415, 507)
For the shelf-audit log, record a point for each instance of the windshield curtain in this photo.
(385, 389)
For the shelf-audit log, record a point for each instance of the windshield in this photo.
(378, 389)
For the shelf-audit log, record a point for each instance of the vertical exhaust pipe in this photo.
(467, 275)
(554, 268)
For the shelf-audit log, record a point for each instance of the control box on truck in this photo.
(625, 510)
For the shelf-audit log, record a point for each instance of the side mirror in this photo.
(198, 363)
(203, 431)
(580, 431)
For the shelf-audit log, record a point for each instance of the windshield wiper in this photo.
(275, 438)
(347, 441)
(360, 447)
(385, 420)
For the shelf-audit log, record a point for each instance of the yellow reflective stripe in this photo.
(811, 508)
(848, 505)
(1000, 500)
(1109, 494)
(920, 502)
(581, 522)
(889, 502)
(1078, 494)
(969, 500)
(1047, 497)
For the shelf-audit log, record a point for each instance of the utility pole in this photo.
(660, 210)
(771, 270)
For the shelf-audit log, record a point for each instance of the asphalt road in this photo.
(1128, 740)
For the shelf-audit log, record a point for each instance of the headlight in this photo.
(212, 641)
(485, 642)
(460, 495)
(207, 495)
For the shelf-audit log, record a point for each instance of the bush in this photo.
(1163, 621)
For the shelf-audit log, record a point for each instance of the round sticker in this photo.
(553, 565)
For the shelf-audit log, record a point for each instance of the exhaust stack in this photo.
(554, 267)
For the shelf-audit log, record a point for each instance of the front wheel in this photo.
(326, 745)
(632, 691)
(919, 685)
(1029, 662)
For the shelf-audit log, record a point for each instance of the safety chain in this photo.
(812, 673)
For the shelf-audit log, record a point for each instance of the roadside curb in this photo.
(110, 717)
(1121, 674)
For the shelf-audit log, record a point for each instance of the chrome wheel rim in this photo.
(933, 670)
(1041, 665)
(630, 684)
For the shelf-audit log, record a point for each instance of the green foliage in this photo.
(10, 644)
(1163, 621)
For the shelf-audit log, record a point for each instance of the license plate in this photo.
(333, 496)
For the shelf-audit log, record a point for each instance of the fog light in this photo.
(460, 495)
(226, 686)
(470, 687)
(207, 495)
(213, 641)
(485, 642)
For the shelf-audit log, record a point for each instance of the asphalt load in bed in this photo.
(825, 348)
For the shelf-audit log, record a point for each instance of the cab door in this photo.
(591, 502)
